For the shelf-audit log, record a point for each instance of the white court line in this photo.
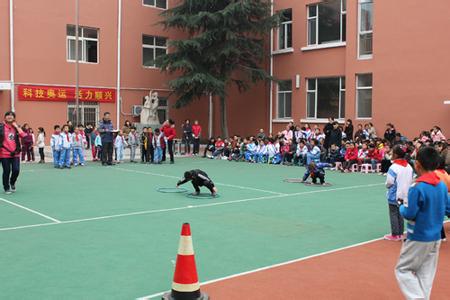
(145, 212)
(31, 210)
(274, 265)
(267, 267)
(216, 183)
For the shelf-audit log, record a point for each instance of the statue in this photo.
(149, 114)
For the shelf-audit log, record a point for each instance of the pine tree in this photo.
(225, 43)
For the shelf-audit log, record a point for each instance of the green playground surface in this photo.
(106, 232)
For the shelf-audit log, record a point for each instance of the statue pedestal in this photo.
(140, 126)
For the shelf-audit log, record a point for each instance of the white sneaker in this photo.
(8, 192)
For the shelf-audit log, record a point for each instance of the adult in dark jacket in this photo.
(106, 129)
(187, 136)
(390, 132)
(327, 131)
(336, 135)
(348, 129)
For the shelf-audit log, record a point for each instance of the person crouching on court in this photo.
(198, 178)
(316, 171)
(10, 135)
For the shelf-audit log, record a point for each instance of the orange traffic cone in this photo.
(185, 284)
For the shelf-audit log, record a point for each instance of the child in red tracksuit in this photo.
(196, 132)
(351, 157)
(374, 156)
(169, 132)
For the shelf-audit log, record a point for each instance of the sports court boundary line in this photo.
(276, 265)
(56, 221)
(217, 183)
(145, 212)
(270, 266)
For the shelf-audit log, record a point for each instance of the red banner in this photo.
(63, 94)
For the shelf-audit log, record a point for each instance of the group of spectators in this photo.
(341, 146)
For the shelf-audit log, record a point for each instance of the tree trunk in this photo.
(224, 121)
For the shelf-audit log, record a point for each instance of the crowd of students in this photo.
(339, 146)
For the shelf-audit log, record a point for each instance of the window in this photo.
(88, 112)
(163, 110)
(156, 3)
(285, 30)
(364, 96)
(87, 44)
(152, 47)
(284, 99)
(365, 28)
(325, 98)
(327, 22)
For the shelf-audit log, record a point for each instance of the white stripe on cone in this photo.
(185, 287)
(185, 246)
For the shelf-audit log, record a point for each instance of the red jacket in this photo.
(196, 130)
(351, 154)
(169, 132)
(219, 144)
(375, 154)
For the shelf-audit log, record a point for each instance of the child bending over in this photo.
(198, 178)
(316, 171)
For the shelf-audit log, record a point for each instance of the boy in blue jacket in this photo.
(424, 210)
(316, 171)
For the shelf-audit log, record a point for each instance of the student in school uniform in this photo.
(159, 146)
(66, 148)
(424, 209)
(56, 145)
(133, 142)
(78, 142)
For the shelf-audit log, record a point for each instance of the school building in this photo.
(368, 60)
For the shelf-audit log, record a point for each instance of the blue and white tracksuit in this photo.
(261, 154)
(398, 181)
(119, 144)
(56, 145)
(250, 152)
(313, 155)
(66, 149)
(157, 145)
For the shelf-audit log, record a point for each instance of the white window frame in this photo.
(285, 26)
(358, 88)
(316, 17)
(335, 43)
(315, 98)
(316, 92)
(343, 12)
(341, 89)
(278, 101)
(154, 6)
(83, 41)
(154, 47)
(82, 106)
(360, 32)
